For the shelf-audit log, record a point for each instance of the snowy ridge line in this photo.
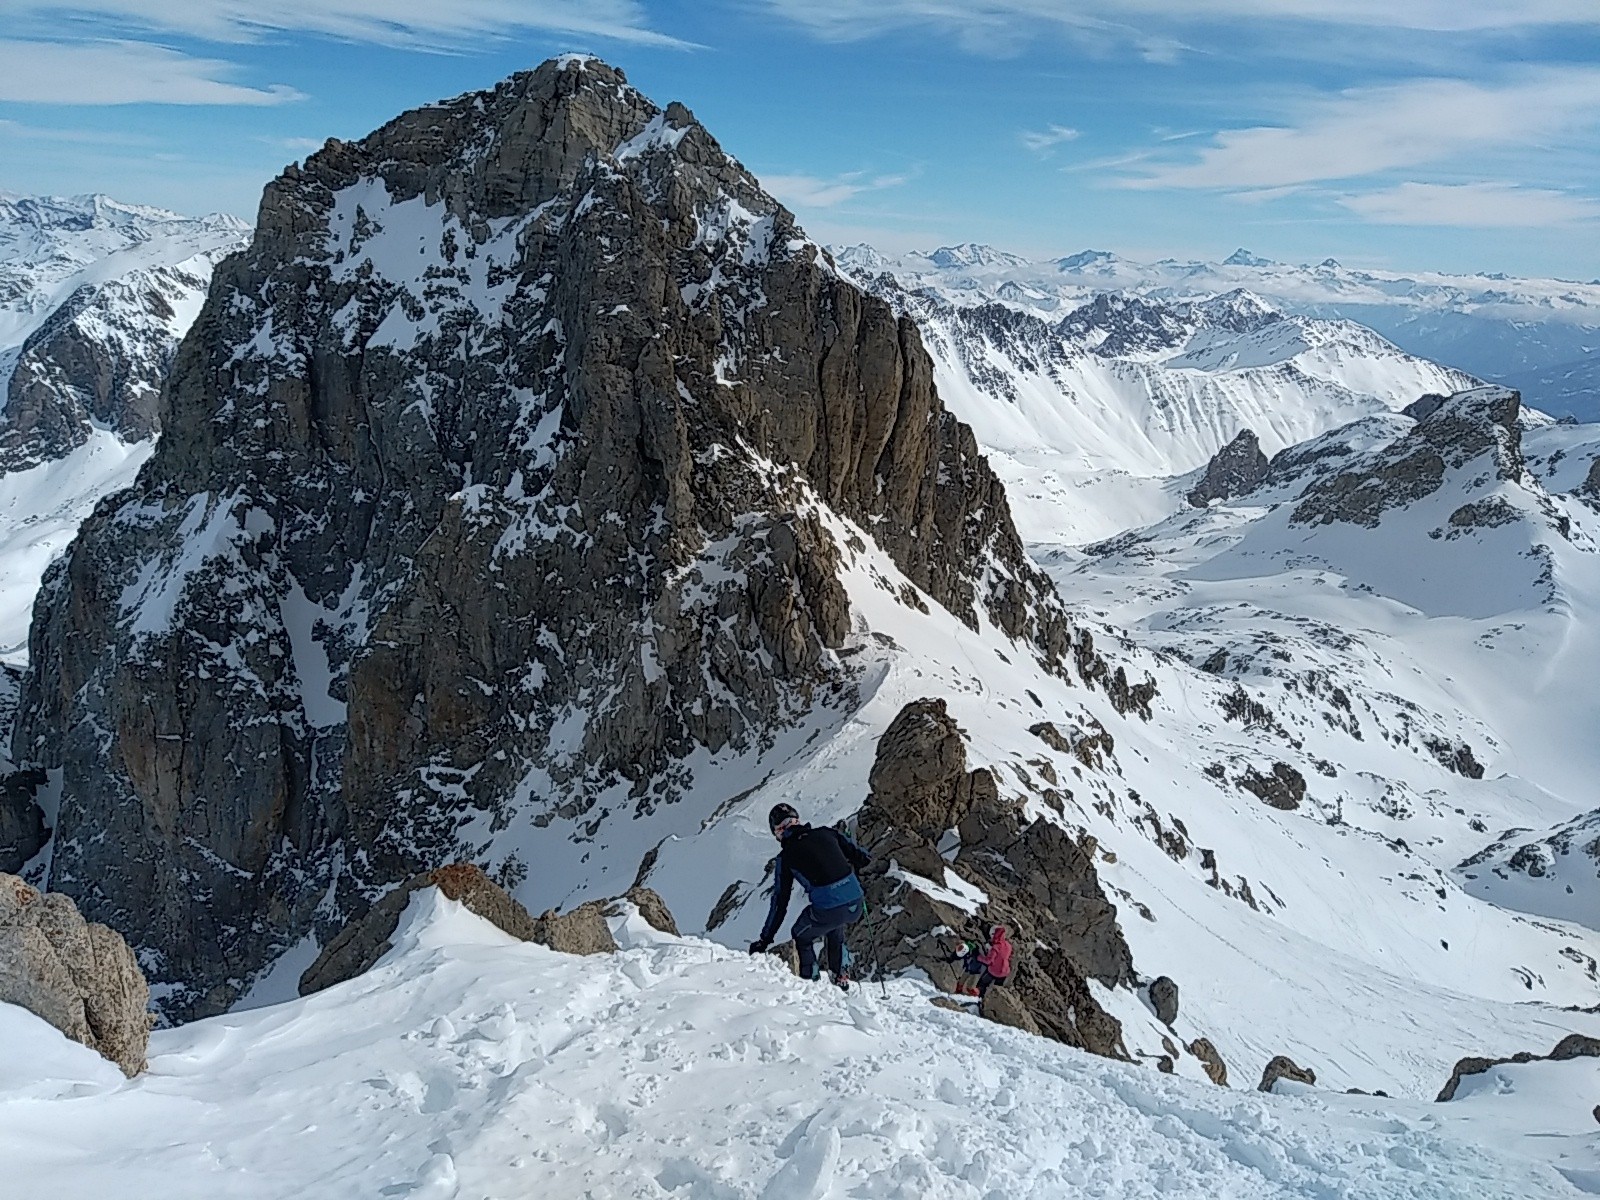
(467, 1064)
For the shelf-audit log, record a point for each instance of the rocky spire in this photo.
(1237, 468)
(520, 457)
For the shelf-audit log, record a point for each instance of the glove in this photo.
(759, 946)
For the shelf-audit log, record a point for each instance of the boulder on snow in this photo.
(1164, 999)
(919, 777)
(368, 938)
(1574, 1045)
(1216, 1070)
(80, 977)
(581, 931)
(1284, 1067)
(652, 908)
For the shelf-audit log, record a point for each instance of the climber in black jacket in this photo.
(825, 862)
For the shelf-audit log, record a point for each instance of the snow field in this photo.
(468, 1065)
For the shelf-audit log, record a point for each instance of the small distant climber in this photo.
(991, 962)
(825, 862)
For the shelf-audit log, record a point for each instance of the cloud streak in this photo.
(1042, 141)
(433, 24)
(1367, 131)
(108, 72)
(810, 191)
(1473, 205)
(999, 25)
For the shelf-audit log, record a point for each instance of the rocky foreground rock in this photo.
(78, 976)
(515, 460)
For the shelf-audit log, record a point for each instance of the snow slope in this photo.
(468, 1065)
(1510, 330)
(40, 510)
(1421, 631)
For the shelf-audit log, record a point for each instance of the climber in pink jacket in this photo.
(990, 963)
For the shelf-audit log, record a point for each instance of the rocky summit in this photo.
(510, 465)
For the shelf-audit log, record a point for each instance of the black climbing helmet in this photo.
(781, 815)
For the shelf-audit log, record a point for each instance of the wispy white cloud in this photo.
(1002, 25)
(424, 23)
(809, 191)
(1475, 205)
(104, 72)
(1042, 141)
(1362, 132)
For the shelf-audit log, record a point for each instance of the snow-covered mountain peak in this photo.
(1087, 259)
(972, 254)
(1244, 258)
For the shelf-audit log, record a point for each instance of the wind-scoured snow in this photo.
(469, 1065)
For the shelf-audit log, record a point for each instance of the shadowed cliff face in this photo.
(511, 464)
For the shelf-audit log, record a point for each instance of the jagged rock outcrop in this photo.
(500, 473)
(78, 976)
(365, 940)
(1237, 468)
(1284, 1067)
(1590, 487)
(23, 832)
(1482, 421)
(1283, 788)
(1033, 876)
(1574, 1045)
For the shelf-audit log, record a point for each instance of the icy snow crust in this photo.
(468, 1065)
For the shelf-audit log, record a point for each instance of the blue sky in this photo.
(1456, 135)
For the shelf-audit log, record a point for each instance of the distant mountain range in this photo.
(1539, 335)
(1091, 415)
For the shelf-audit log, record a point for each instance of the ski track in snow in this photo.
(467, 1066)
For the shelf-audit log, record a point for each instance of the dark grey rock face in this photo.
(1164, 997)
(1466, 426)
(499, 468)
(1237, 468)
(22, 829)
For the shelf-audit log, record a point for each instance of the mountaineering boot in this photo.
(841, 980)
